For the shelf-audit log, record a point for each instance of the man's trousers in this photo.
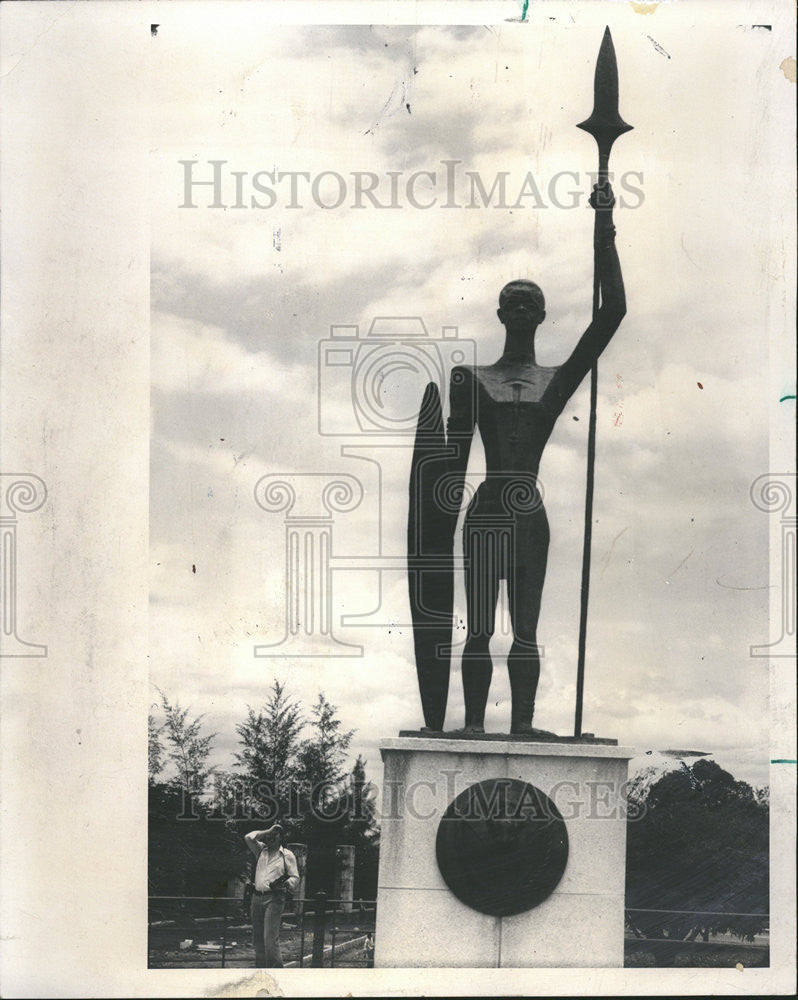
(267, 913)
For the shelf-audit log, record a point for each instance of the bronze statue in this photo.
(515, 403)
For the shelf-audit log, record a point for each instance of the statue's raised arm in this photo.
(613, 298)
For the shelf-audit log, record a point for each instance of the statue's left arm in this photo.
(459, 434)
(613, 299)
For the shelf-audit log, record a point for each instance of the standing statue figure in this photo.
(515, 404)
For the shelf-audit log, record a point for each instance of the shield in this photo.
(430, 573)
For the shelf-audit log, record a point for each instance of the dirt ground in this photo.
(164, 951)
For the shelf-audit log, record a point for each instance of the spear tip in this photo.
(605, 123)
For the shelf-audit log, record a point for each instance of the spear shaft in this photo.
(605, 125)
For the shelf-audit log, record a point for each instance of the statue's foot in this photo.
(469, 729)
(429, 729)
(527, 729)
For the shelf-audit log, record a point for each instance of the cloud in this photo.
(243, 299)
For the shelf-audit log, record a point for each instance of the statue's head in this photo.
(521, 303)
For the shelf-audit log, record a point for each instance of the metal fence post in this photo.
(319, 926)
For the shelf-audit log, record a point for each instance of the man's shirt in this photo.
(270, 866)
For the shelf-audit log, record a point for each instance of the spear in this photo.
(605, 125)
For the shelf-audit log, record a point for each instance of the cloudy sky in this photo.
(243, 297)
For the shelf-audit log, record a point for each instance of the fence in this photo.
(317, 932)
(204, 931)
(686, 937)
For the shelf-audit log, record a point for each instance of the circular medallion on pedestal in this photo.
(502, 846)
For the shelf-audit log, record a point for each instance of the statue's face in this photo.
(521, 312)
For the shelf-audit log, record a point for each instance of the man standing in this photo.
(275, 872)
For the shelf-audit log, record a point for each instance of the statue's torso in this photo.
(515, 415)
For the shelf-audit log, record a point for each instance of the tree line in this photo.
(697, 840)
(290, 766)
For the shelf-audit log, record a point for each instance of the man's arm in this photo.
(292, 882)
(253, 841)
(613, 299)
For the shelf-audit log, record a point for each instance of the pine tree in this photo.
(189, 749)
(361, 829)
(361, 799)
(323, 755)
(270, 738)
(186, 853)
(155, 749)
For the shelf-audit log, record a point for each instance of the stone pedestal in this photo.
(421, 923)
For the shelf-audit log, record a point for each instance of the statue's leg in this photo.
(525, 591)
(482, 573)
